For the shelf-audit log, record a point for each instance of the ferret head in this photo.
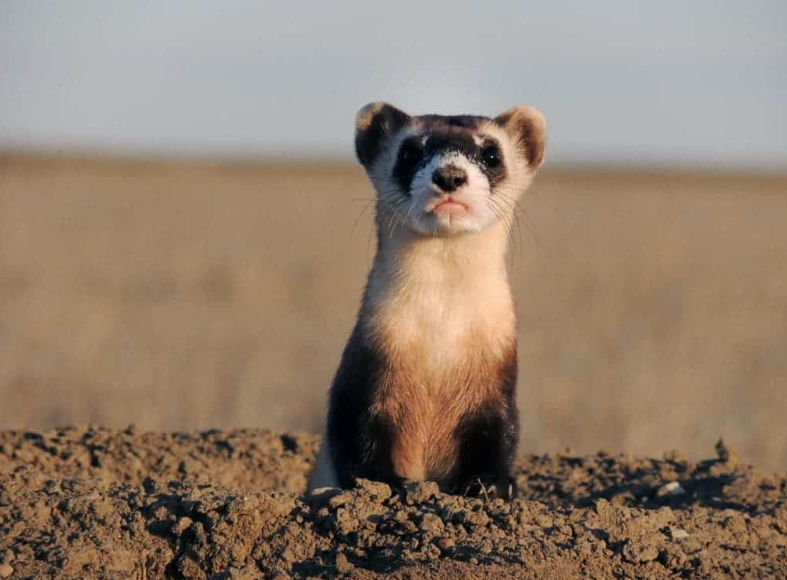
(448, 175)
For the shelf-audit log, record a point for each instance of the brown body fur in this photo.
(445, 356)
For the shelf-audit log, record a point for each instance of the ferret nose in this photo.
(449, 178)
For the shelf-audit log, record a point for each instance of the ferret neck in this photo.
(407, 258)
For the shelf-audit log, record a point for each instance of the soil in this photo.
(98, 503)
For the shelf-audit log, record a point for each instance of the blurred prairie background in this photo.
(184, 235)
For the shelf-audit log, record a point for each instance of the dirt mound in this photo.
(96, 503)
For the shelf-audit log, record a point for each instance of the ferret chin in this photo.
(426, 386)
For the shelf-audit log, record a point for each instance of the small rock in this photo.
(404, 523)
(182, 525)
(638, 552)
(544, 521)
(471, 518)
(672, 488)
(431, 552)
(401, 516)
(421, 491)
(677, 533)
(322, 495)
(6, 570)
(376, 490)
(445, 544)
(245, 573)
(431, 523)
(341, 499)
(280, 576)
(345, 522)
(343, 565)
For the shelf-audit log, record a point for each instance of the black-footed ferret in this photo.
(426, 385)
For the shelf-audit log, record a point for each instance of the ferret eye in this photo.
(411, 153)
(490, 156)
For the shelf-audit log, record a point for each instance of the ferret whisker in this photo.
(501, 215)
(360, 215)
(530, 226)
(510, 203)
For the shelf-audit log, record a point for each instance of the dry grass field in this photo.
(653, 307)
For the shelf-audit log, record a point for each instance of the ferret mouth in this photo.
(449, 207)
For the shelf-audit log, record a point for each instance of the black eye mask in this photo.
(443, 138)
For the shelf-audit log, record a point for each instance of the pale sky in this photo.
(675, 83)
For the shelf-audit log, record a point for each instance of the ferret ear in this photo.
(374, 123)
(527, 125)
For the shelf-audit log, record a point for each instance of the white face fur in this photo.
(447, 176)
(432, 210)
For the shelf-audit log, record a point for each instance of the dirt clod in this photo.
(421, 491)
(83, 502)
(343, 565)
